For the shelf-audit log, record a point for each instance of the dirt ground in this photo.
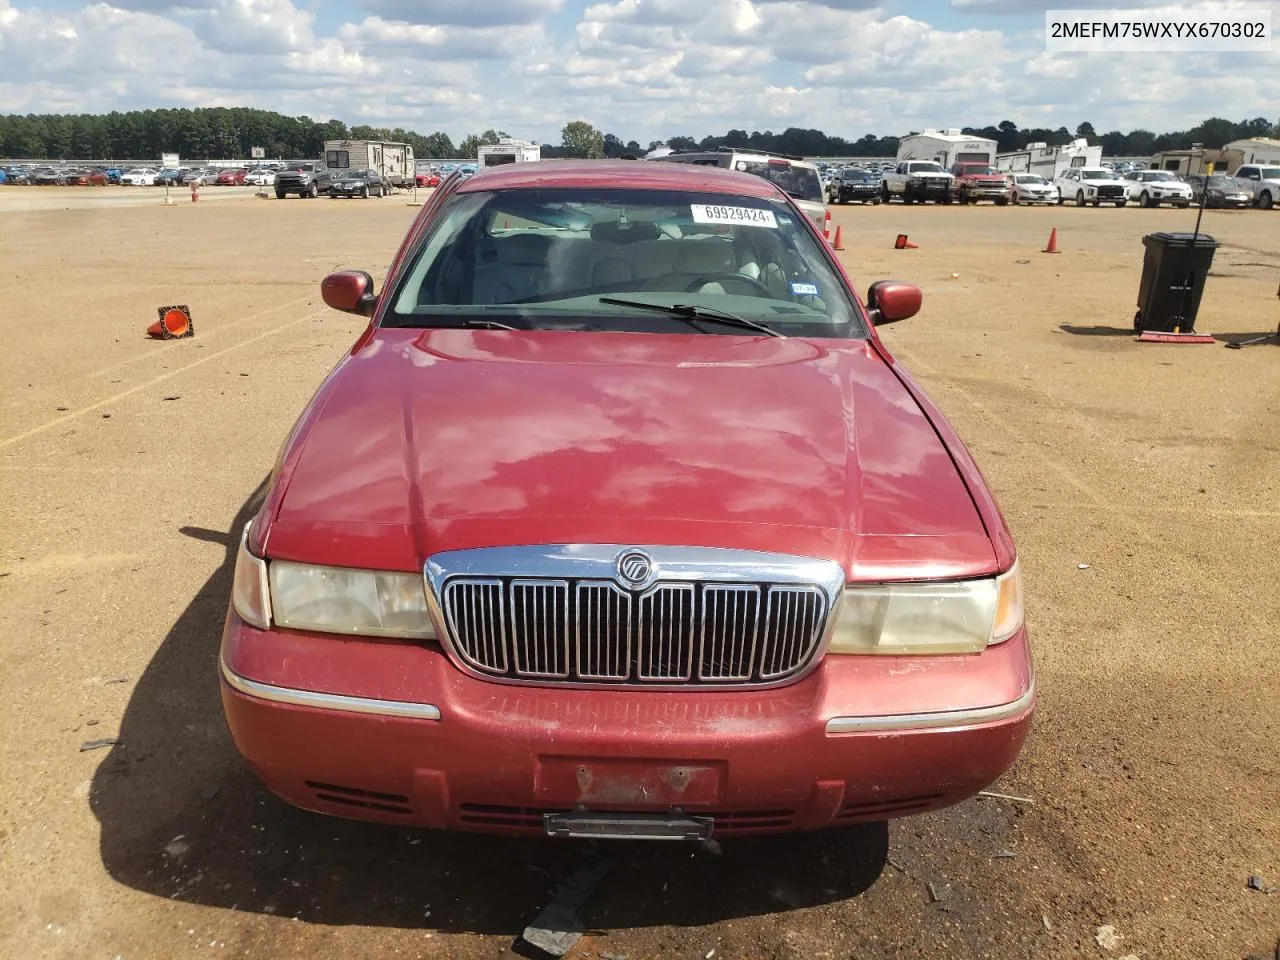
(1143, 483)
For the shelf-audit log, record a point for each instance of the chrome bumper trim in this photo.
(923, 721)
(328, 701)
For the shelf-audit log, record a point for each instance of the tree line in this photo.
(205, 133)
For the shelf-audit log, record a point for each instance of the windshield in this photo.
(1032, 179)
(1223, 182)
(1099, 174)
(545, 258)
(977, 170)
(802, 183)
(301, 167)
(856, 175)
(926, 167)
(1159, 175)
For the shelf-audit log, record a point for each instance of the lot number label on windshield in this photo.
(748, 216)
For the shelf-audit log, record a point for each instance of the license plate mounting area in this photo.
(588, 825)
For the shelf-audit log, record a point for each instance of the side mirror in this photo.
(350, 291)
(889, 301)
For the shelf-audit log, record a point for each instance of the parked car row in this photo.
(911, 181)
(59, 176)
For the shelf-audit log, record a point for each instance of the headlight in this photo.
(929, 618)
(301, 596)
(344, 600)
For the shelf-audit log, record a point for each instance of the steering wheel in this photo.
(755, 287)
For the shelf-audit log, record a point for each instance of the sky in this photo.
(641, 69)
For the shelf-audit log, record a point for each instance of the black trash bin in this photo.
(1173, 275)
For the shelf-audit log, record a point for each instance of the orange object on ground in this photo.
(838, 244)
(174, 323)
(902, 243)
(1052, 246)
(1162, 336)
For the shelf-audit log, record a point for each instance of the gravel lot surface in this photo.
(1142, 481)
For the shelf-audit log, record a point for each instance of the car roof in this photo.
(631, 174)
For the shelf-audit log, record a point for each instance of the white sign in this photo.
(168, 161)
(257, 153)
(747, 216)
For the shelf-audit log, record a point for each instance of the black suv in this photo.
(854, 184)
(306, 178)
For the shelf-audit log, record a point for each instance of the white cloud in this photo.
(643, 69)
(471, 13)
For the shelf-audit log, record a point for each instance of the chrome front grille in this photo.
(593, 631)
(591, 614)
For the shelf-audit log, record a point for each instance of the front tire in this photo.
(280, 194)
(364, 194)
(1121, 203)
(1265, 200)
(1144, 200)
(1002, 201)
(312, 192)
(1080, 198)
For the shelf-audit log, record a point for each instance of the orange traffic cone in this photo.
(1053, 242)
(838, 243)
(174, 323)
(902, 243)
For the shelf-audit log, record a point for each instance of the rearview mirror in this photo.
(889, 301)
(350, 291)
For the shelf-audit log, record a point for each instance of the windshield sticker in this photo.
(747, 216)
(804, 289)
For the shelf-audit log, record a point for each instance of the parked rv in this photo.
(508, 150)
(947, 148)
(1050, 162)
(393, 161)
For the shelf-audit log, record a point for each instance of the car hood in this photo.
(449, 439)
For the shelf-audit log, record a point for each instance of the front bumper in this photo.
(393, 732)
(929, 187)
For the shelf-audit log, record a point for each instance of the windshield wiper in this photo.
(489, 324)
(689, 312)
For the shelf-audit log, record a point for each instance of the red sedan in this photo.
(620, 520)
(231, 178)
(87, 178)
(427, 179)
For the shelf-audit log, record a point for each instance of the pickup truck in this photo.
(914, 180)
(976, 181)
(306, 178)
(1262, 181)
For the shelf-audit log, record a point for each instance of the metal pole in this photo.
(1189, 280)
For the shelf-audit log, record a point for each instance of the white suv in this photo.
(1095, 185)
(1154, 187)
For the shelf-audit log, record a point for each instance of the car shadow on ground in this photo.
(183, 818)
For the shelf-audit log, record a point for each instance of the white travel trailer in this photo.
(508, 150)
(393, 160)
(1260, 150)
(1049, 162)
(947, 147)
